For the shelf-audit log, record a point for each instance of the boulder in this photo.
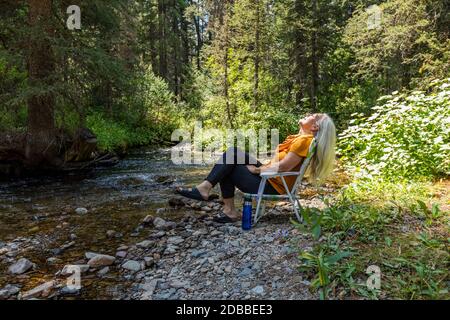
(21, 266)
(8, 290)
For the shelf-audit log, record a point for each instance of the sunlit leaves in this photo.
(407, 136)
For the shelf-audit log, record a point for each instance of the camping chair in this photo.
(291, 195)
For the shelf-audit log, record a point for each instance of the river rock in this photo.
(101, 260)
(178, 284)
(198, 253)
(42, 290)
(21, 266)
(170, 249)
(145, 244)
(158, 234)
(81, 210)
(110, 233)
(65, 291)
(149, 261)
(8, 291)
(175, 240)
(103, 272)
(121, 254)
(90, 255)
(170, 225)
(258, 290)
(160, 211)
(245, 272)
(148, 220)
(159, 223)
(216, 233)
(148, 288)
(132, 265)
(206, 208)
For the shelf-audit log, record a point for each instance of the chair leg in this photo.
(296, 210)
(262, 210)
(258, 211)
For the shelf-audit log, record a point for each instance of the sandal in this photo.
(223, 218)
(195, 194)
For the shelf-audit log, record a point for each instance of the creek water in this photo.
(38, 215)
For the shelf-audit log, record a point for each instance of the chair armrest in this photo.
(278, 174)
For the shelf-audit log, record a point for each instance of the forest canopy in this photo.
(138, 69)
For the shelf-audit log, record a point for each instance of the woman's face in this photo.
(309, 123)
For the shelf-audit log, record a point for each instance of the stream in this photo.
(39, 219)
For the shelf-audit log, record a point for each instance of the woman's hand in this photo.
(253, 169)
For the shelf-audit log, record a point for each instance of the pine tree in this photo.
(41, 137)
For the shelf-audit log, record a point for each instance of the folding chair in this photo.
(291, 195)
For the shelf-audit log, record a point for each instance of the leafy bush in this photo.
(149, 115)
(408, 136)
(118, 136)
(152, 102)
(110, 135)
(398, 226)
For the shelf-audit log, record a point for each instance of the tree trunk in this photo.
(315, 61)
(40, 146)
(199, 37)
(257, 57)
(162, 39)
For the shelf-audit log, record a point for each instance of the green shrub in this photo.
(110, 135)
(113, 135)
(407, 136)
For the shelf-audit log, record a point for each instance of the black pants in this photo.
(231, 171)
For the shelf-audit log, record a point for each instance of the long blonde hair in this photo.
(322, 163)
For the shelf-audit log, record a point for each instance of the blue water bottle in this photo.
(247, 214)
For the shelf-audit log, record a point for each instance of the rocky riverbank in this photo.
(190, 257)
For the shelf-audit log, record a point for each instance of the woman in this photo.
(244, 174)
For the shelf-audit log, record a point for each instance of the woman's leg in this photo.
(231, 158)
(245, 181)
(248, 182)
(229, 209)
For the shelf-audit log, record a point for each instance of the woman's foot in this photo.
(228, 217)
(196, 194)
(204, 189)
(232, 214)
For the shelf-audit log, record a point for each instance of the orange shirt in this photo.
(298, 144)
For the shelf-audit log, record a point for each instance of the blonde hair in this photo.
(322, 163)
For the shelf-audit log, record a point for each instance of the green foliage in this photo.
(384, 224)
(147, 116)
(119, 136)
(152, 103)
(321, 264)
(407, 47)
(12, 81)
(407, 136)
(110, 135)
